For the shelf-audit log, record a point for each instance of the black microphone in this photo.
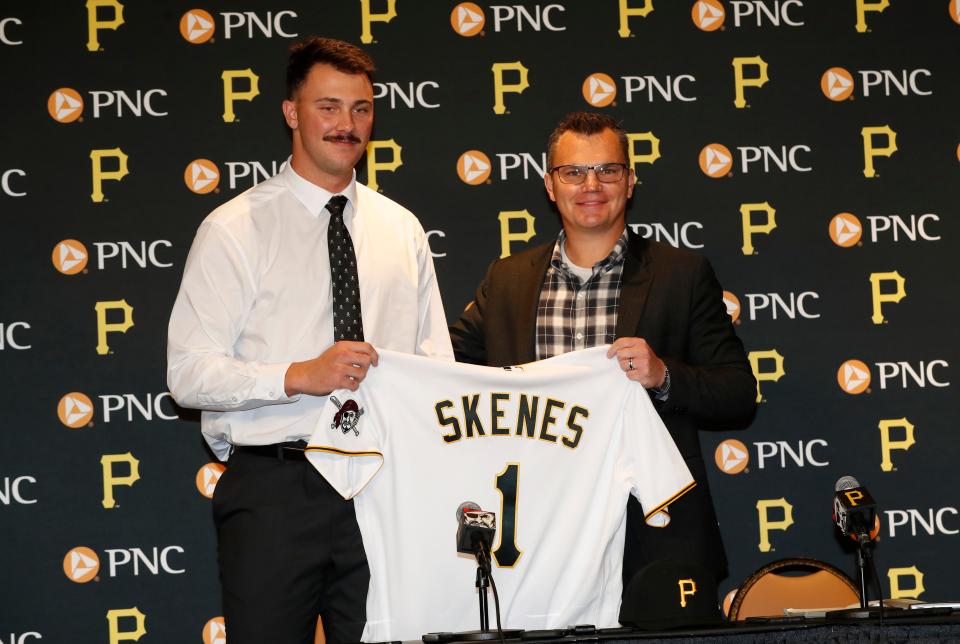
(475, 530)
(854, 510)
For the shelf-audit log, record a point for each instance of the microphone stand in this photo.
(863, 555)
(483, 582)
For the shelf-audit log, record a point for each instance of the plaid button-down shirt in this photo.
(574, 315)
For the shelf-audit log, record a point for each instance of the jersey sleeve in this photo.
(347, 444)
(657, 472)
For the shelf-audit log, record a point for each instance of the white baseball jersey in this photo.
(554, 448)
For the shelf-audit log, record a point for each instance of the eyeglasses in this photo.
(576, 174)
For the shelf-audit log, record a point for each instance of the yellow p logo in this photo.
(687, 587)
(870, 151)
(879, 297)
(750, 228)
(113, 620)
(637, 157)
(500, 88)
(897, 591)
(887, 444)
(740, 82)
(95, 24)
(111, 480)
(507, 237)
(767, 524)
(100, 175)
(104, 327)
(367, 17)
(626, 11)
(231, 95)
(863, 6)
(374, 166)
(770, 376)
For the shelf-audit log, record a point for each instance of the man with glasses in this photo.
(660, 309)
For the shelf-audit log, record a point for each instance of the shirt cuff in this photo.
(270, 383)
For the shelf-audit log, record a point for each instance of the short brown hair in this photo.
(587, 124)
(341, 55)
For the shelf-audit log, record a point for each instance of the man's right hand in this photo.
(343, 366)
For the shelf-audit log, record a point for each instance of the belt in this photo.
(292, 451)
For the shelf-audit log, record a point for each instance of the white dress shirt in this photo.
(255, 297)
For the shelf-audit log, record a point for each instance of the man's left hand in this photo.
(639, 361)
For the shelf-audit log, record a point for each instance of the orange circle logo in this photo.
(599, 89)
(65, 105)
(732, 456)
(845, 230)
(473, 167)
(837, 84)
(81, 564)
(197, 26)
(955, 10)
(215, 631)
(708, 15)
(732, 303)
(207, 478)
(201, 176)
(853, 376)
(75, 410)
(69, 257)
(716, 160)
(467, 19)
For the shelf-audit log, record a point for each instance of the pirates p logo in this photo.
(348, 416)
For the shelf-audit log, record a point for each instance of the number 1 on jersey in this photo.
(506, 552)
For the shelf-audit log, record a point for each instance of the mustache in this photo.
(342, 138)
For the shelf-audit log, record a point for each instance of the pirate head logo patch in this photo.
(347, 417)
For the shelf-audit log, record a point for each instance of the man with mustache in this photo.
(286, 290)
(659, 308)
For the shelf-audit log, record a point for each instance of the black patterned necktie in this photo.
(345, 286)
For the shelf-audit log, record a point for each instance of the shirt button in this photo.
(580, 294)
(579, 336)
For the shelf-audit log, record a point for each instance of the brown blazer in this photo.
(670, 298)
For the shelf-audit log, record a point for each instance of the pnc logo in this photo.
(837, 84)
(853, 376)
(70, 257)
(708, 15)
(599, 89)
(201, 176)
(215, 631)
(75, 410)
(81, 564)
(197, 26)
(473, 167)
(467, 19)
(207, 478)
(716, 160)
(845, 230)
(732, 456)
(65, 105)
(732, 304)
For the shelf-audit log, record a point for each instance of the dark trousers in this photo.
(289, 549)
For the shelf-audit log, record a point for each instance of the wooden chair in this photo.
(767, 591)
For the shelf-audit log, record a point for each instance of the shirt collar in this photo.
(616, 253)
(315, 198)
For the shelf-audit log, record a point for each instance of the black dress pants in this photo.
(289, 549)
